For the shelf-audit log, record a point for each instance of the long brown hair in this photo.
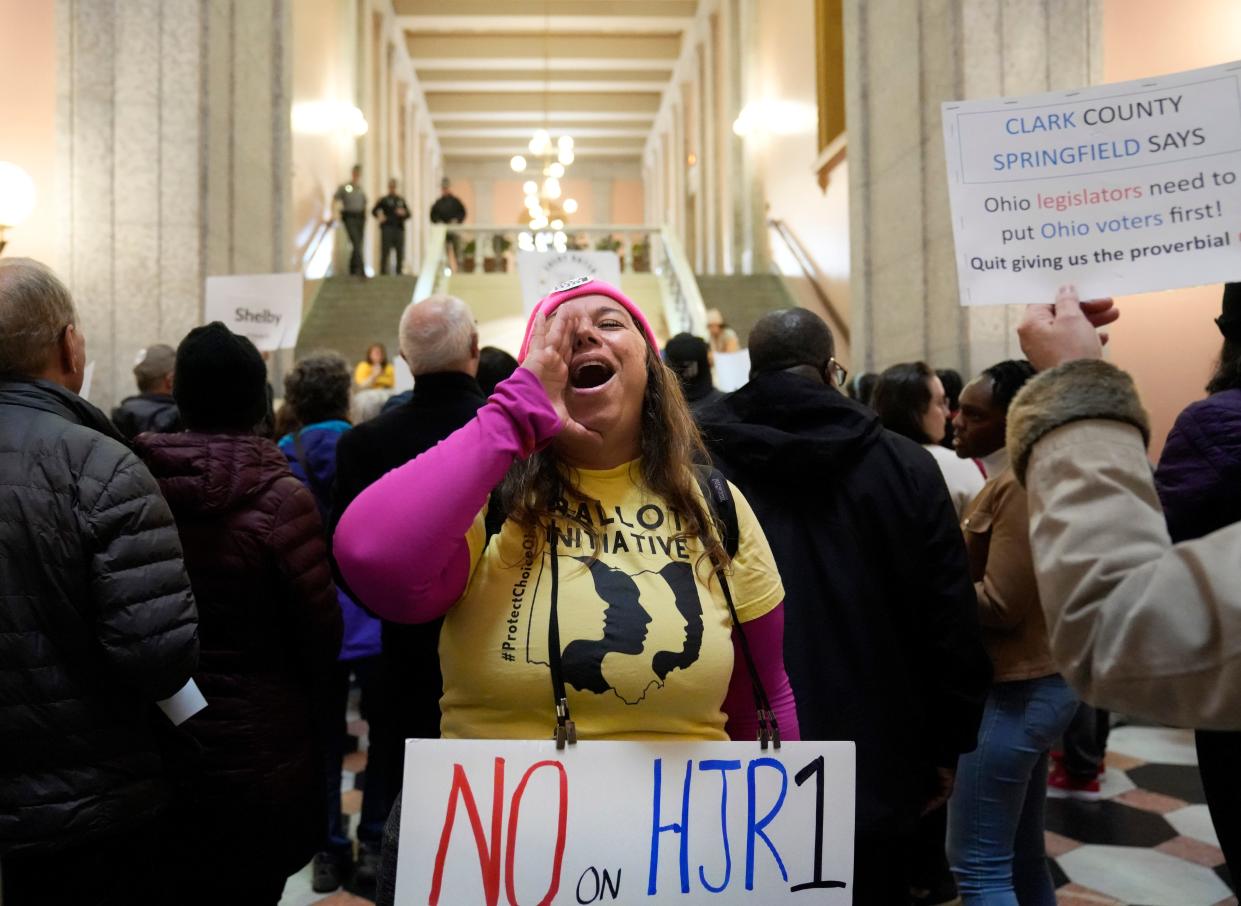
(670, 445)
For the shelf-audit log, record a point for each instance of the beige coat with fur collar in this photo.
(1136, 624)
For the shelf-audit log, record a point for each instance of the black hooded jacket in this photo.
(881, 638)
(97, 623)
(147, 412)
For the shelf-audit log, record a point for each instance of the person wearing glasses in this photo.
(888, 657)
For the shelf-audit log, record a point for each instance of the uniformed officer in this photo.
(352, 201)
(392, 212)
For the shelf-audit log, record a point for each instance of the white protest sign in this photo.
(624, 822)
(1124, 188)
(403, 378)
(88, 379)
(267, 308)
(732, 369)
(540, 272)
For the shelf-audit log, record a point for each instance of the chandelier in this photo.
(545, 211)
(543, 199)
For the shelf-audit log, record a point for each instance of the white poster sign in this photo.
(732, 370)
(485, 822)
(1124, 188)
(540, 272)
(88, 380)
(267, 308)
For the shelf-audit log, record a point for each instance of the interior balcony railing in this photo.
(642, 249)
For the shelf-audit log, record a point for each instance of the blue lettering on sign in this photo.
(682, 829)
(723, 767)
(756, 826)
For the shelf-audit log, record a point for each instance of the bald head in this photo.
(438, 334)
(788, 338)
(35, 314)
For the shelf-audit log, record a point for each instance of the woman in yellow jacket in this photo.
(376, 372)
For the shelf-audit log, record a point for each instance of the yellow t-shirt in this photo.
(385, 381)
(646, 643)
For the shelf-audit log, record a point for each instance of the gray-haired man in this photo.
(97, 622)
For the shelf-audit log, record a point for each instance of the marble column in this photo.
(174, 163)
(902, 61)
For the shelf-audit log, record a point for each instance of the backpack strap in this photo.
(723, 509)
(720, 503)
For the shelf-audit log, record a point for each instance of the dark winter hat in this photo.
(686, 354)
(220, 382)
(1230, 321)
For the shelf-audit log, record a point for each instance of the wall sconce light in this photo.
(327, 118)
(17, 197)
(759, 119)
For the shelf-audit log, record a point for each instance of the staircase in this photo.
(744, 298)
(348, 315)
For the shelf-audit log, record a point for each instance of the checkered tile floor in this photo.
(1148, 841)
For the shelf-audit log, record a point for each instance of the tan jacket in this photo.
(1136, 624)
(997, 538)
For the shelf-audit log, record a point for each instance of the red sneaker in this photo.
(1060, 785)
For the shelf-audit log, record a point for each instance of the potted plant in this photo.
(497, 261)
(642, 256)
(467, 257)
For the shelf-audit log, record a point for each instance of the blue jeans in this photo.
(995, 816)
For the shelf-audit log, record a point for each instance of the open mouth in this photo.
(590, 375)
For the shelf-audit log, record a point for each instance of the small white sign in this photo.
(485, 822)
(542, 272)
(1124, 188)
(732, 369)
(267, 308)
(88, 378)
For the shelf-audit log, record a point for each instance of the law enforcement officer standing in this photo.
(352, 201)
(392, 212)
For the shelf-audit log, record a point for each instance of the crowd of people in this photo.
(702, 566)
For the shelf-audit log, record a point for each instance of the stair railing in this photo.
(434, 259)
(315, 259)
(684, 309)
(811, 272)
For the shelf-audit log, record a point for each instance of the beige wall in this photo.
(1168, 341)
(784, 70)
(324, 69)
(28, 111)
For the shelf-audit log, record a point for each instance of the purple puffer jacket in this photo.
(1199, 474)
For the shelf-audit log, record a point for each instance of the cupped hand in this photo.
(1066, 330)
(547, 358)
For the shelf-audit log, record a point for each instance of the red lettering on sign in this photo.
(561, 828)
(488, 856)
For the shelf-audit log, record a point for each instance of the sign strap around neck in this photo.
(566, 731)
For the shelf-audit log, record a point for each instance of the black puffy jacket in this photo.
(97, 623)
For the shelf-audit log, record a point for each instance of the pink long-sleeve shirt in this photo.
(412, 546)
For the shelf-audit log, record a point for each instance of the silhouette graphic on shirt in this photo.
(625, 623)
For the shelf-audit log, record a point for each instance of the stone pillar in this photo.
(174, 156)
(903, 61)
